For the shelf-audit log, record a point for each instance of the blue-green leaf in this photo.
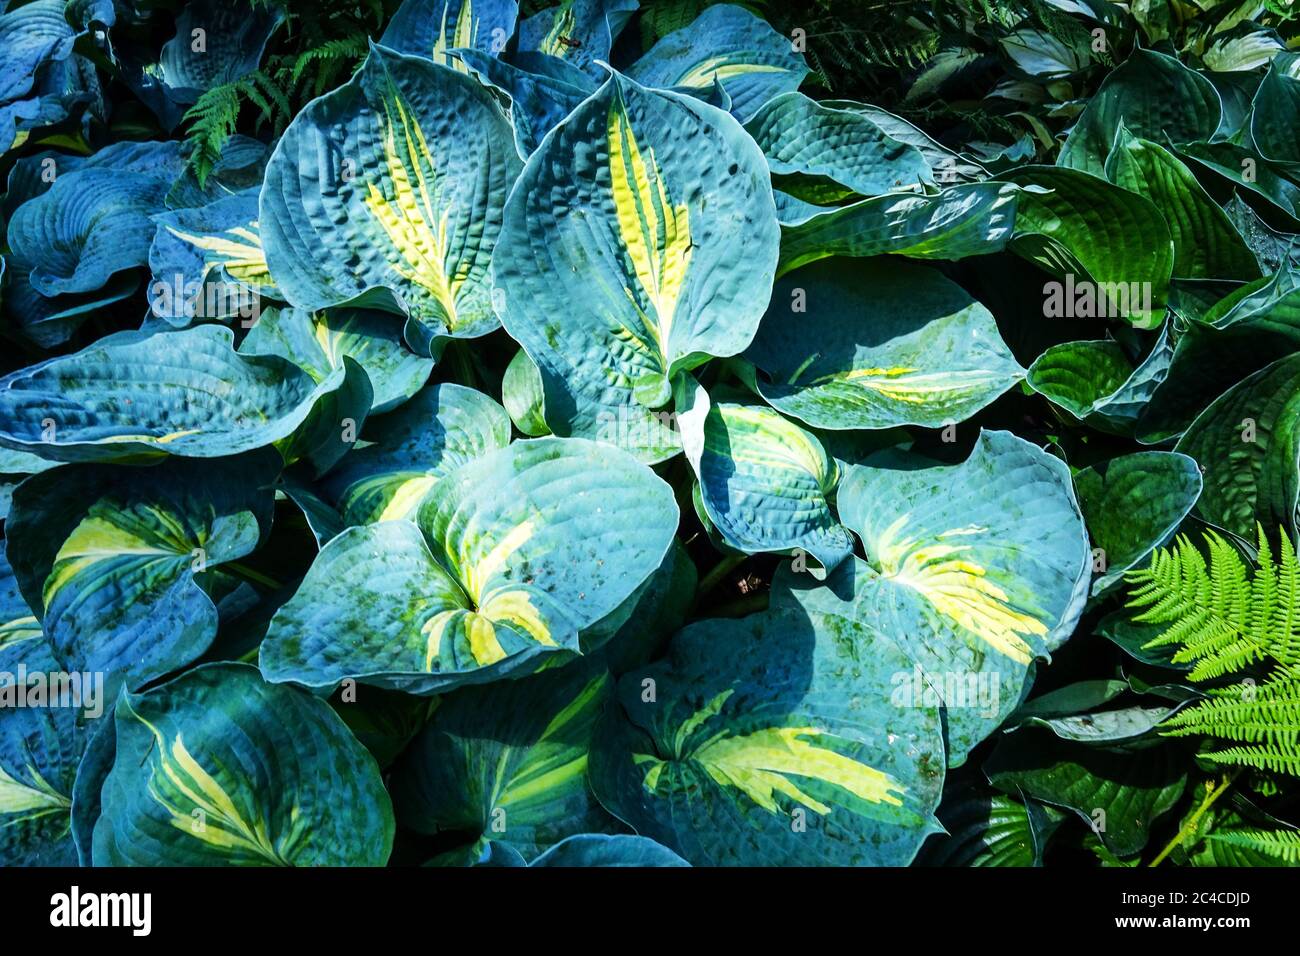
(876, 344)
(727, 44)
(118, 563)
(641, 239)
(318, 344)
(133, 394)
(974, 570)
(515, 554)
(219, 768)
(389, 190)
(765, 483)
(773, 741)
(208, 263)
(508, 761)
(798, 135)
(965, 220)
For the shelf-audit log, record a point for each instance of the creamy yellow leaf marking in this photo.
(958, 588)
(20, 629)
(762, 437)
(98, 539)
(465, 33)
(655, 232)
(34, 799)
(476, 574)
(406, 498)
(176, 773)
(166, 439)
(701, 75)
(908, 385)
(762, 764)
(416, 220)
(238, 250)
(554, 41)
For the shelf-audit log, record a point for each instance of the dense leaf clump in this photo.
(687, 433)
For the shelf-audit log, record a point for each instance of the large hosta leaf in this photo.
(765, 483)
(215, 42)
(41, 742)
(1275, 110)
(508, 761)
(1132, 505)
(133, 394)
(430, 28)
(91, 224)
(390, 190)
(406, 452)
(1152, 94)
(515, 553)
(729, 45)
(641, 239)
(1238, 335)
(773, 740)
(1206, 245)
(579, 31)
(30, 35)
(318, 344)
(1096, 381)
(118, 562)
(543, 90)
(966, 220)
(1247, 443)
(974, 570)
(800, 136)
(208, 263)
(219, 768)
(876, 344)
(1102, 239)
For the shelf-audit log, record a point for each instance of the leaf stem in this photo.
(1189, 826)
(248, 574)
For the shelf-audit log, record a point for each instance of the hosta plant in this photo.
(480, 433)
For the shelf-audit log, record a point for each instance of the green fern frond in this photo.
(1221, 619)
(1225, 618)
(1281, 845)
(331, 59)
(211, 121)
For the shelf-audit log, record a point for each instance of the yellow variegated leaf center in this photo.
(238, 250)
(701, 75)
(557, 41)
(35, 799)
(181, 785)
(416, 218)
(776, 760)
(655, 232)
(109, 537)
(763, 438)
(958, 588)
(480, 628)
(465, 33)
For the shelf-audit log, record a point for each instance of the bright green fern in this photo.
(1280, 845)
(1225, 618)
